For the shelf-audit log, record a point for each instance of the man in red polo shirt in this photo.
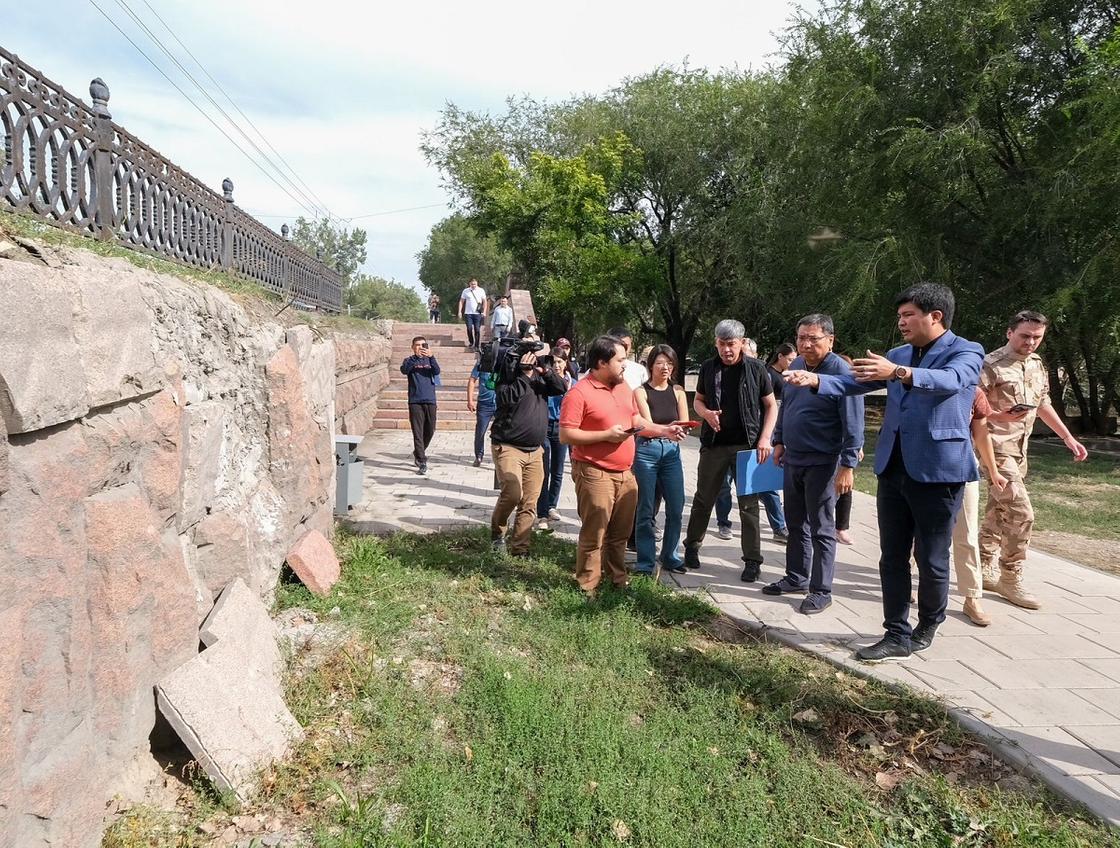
(598, 419)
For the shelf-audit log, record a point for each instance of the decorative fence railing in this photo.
(72, 166)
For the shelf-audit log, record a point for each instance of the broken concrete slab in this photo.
(231, 715)
(240, 616)
(313, 561)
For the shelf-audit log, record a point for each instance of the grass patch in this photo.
(1068, 497)
(478, 701)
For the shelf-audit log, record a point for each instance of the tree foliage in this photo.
(375, 297)
(455, 252)
(965, 142)
(342, 249)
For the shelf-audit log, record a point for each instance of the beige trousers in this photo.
(607, 502)
(1008, 521)
(966, 546)
(520, 477)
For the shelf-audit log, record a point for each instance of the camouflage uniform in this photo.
(1007, 379)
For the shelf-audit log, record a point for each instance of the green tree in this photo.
(375, 297)
(339, 247)
(455, 252)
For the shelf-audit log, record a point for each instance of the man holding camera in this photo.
(525, 382)
(422, 371)
(1015, 382)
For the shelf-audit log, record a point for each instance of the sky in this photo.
(343, 90)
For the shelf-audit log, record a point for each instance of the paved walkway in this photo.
(1043, 686)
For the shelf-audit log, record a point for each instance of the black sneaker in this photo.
(783, 587)
(922, 637)
(885, 649)
(814, 603)
(751, 572)
(422, 470)
(477, 461)
(691, 557)
(781, 537)
(676, 568)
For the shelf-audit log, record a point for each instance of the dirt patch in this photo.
(1101, 554)
(436, 677)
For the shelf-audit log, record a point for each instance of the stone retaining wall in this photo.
(156, 441)
(361, 372)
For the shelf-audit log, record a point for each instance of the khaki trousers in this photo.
(966, 548)
(1008, 520)
(607, 501)
(520, 476)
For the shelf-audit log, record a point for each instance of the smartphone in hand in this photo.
(688, 425)
(1022, 407)
(634, 430)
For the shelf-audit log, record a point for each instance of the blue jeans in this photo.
(770, 502)
(483, 413)
(555, 456)
(658, 465)
(474, 328)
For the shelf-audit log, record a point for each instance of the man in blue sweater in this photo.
(422, 371)
(817, 441)
(923, 458)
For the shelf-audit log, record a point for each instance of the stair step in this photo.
(441, 424)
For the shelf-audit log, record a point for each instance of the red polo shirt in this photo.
(591, 405)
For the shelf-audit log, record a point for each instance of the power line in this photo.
(200, 110)
(136, 18)
(394, 211)
(210, 77)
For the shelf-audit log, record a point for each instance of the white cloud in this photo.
(344, 89)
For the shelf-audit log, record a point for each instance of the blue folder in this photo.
(752, 478)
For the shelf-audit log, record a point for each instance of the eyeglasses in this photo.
(811, 339)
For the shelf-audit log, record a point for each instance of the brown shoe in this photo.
(976, 613)
(1011, 588)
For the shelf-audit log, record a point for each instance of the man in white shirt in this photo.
(474, 307)
(502, 318)
(633, 373)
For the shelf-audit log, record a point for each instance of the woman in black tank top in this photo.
(657, 464)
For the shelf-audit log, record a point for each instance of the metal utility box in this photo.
(348, 486)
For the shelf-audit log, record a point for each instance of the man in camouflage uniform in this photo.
(1017, 387)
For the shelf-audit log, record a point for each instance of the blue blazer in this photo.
(933, 416)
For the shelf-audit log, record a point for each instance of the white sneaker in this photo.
(554, 514)
(725, 533)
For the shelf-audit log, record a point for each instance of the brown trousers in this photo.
(607, 501)
(520, 476)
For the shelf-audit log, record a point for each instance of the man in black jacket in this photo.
(735, 398)
(422, 371)
(520, 428)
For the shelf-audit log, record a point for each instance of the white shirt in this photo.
(502, 315)
(634, 373)
(473, 300)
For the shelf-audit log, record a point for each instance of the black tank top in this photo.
(662, 403)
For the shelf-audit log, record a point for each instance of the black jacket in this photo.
(754, 386)
(521, 417)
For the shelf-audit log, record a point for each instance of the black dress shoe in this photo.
(751, 572)
(885, 649)
(923, 637)
(691, 558)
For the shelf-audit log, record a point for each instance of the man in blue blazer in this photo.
(923, 458)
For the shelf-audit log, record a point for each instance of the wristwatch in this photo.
(900, 372)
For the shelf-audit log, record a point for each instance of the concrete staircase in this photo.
(449, 346)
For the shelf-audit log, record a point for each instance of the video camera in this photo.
(501, 357)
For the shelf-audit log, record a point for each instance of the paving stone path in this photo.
(1043, 687)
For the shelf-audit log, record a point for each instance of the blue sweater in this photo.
(422, 372)
(815, 430)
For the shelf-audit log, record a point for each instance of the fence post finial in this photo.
(227, 189)
(99, 92)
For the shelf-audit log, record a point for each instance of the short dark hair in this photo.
(620, 333)
(784, 349)
(416, 339)
(930, 297)
(818, 319)
(602, 350)
(661, 350)
(1024, 316)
